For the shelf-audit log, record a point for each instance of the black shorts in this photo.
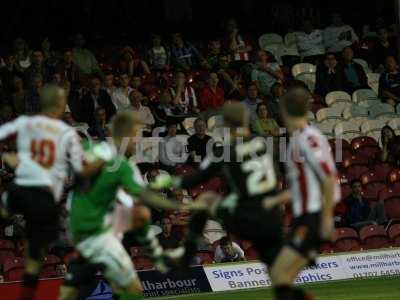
(38, 206)
(305, 236)
(80, 272)
(263, 228)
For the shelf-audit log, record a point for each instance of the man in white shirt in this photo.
(339, 35)
(144, 113)
(120, 96)
(228, 251)
(310, 43)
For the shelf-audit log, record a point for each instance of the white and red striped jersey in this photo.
(45, 147)
(309, 162)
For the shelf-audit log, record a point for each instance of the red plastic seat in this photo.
(251, 254)
(355, 171)
(345, 190)
(354, 160)
(137, 251)
(370, 177)
(14, 269)
(142, 263)
(371, 190)
(374, 237)
(326, 248)
(334, 143)
(369, 152)
(206, 257)
(394, 176)
(382, 170)
(363, 141)
(394, 234)
(196, 191)
(49, 267)
(392, 207)
(387, 193)
(346, 239)
(7, 249)
(184, 170)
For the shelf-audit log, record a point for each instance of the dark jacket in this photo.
(349, 87)
(87, 107)
(326, 83)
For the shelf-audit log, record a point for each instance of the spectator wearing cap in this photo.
(252, 100)
(310, 43)
(211, 97)
(389, 82)
(142, 111)
(158, 55)
(68, 69)
(228, 251)
(184, 56)
(329, 76)
(183, 94)
(94, 98)
(120, 97)
(38, 67)
(199, 141)
(131, 63)
(84, 58)
(266, 73)
(339, 35)
(354, 74)
(172, 150)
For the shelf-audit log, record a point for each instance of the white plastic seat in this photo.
(290, 39)
(337, 96)
(395, 124)
(347, 130)
(302, 68)
(363, 64)
(355, 111)
(183, 138)
(381, 110)
(310, 116)
(373, 81)
(309, 79)
(269, 39)
(158, 130)
(369, 103)
(148, 150)
(327, 126)
(289, 51)
(275, 50)
(398, 109)
(188, 123)
(214, 122)
(372, 125)
(364, 95)
(341, 106)
(329, 113)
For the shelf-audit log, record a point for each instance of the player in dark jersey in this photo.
(246, 164)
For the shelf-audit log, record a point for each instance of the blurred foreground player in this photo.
(46, 147)
(90, 202)
(250, 173)
(311, 175)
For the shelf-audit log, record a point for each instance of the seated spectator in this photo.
(263, 124)
(22, 54)
(131, 63)
(18, 96)
(68, 69)
(228, 251)
(166, 110)
(172, 150)
(310, 43)
(197, 143)
(277, 92)
(354, 74)
(109, 84)
(143, 112)
(120, 97)
(358, 209)
(94, 98)
(329, 76)
(238, 46)
(252, 100)
(266, 72)
(389, 82)
(390, 145)
(339, 35)
(168, 239)
(383, 48)
(37, 67)
(184, 56)
(8, 72)
(32, 99)
(214, 50)
(228, 78)
(211, 96)
(84, 58)
(158, 55)
(183, 95)
(99, 129)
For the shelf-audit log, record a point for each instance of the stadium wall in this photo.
(236, 276)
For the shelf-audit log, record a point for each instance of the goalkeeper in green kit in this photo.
(90, 202)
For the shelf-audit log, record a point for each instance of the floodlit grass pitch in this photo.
(357, 289)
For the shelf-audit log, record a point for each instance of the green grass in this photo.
(362, 289)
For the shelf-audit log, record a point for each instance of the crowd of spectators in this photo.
(172, 79)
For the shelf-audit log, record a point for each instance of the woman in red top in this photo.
(211, 96)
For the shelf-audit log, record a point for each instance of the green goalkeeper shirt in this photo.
(89, 206)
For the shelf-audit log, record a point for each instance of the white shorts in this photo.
(107, 250)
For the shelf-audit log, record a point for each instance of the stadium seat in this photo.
(7, 249)
(387, 193)
(395, 122)
(184, 170)
(329, 113)
(206, 257)
(374, 237)
(269, 39)
(309, 79)
(198, 190)
(49, 269)
(142, 263)
(381, 110)
(337, 97)
(371, 190)
(363, 141)
(290, 39)
(346, 239)
(13, 269)
(373, 81)
(303, 68)
(336, 142)
(372, 125)
(355, 111)
(364, 64)
(369, 152)
(188, 123)
(137, 251)
(311, 116)
(326, 249)
(364, 95)
(251, 254)
(371, 177)
(214, 122)
(341, 106)
(392, 207)
(394, 234)
(355, 161)
(382, 170)
(347, 129)
(394, 176)
(355, 171)
(345, 189)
